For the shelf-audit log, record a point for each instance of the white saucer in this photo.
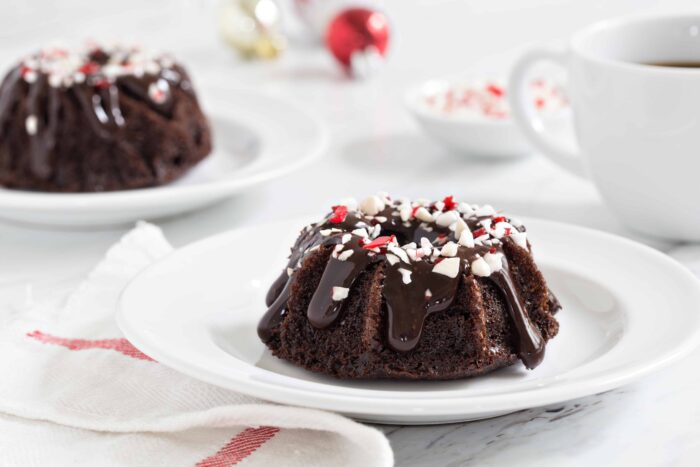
(628, 310)
(257, 137)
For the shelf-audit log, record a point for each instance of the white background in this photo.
(376, 146)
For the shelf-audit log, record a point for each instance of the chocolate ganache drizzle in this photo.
(426, 249)
(57, 83)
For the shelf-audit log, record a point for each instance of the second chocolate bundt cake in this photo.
(98, 119)
(410, 290)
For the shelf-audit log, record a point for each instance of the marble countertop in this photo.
(376, 146)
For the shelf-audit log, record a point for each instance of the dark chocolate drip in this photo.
(8, 96)
(276, 288)
(412, 290)
(530, 343)
(92, 109)
(323, 310)
(275, 313)
(409, 304)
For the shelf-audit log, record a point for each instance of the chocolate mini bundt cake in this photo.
(98, 119)
(410, 290)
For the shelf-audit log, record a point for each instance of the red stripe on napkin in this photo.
(120, 345)
(241, 446)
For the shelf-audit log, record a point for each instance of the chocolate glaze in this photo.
(408, 301)
(97, 98)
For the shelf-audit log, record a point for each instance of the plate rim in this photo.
(76, 202)
(424, 408)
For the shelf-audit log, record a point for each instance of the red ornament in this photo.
(358, 38)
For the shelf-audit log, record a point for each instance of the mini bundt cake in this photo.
(410, 290)
(98, 119)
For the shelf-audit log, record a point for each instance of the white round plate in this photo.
(257, 137)
(627, 310)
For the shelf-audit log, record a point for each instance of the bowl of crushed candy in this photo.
(472, 116)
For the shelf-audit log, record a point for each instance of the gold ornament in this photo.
(252, 27)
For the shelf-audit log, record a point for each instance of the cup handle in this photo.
(526, 117)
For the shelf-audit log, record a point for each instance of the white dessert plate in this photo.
(627, 310)
(257, 137)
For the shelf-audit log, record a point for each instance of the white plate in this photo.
(628, 310)
(257, 137)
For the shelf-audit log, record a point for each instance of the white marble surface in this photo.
(376, 146)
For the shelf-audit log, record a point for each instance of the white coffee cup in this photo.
(637, 125)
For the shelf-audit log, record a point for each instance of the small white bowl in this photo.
(475, 135)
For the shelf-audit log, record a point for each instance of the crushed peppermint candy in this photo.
(340, 293)
(100, 66)
(488, 99)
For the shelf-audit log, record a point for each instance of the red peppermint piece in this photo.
(539, 103)
(479, 232)
(339, 214)
(508, 231)
(102, 84)
(89, 68)
(449, 203)
(498, 219)
(415, 210)
(24, 69)
(379, 242)
(492, 250)
(495, 90)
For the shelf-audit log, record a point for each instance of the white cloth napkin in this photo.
(74, 392)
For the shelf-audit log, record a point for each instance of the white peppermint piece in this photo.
(372, 205)
(376, 230)
(459, 227)
(445, 219)
(449, 249)
(31, 124)
(405, 275)
(520, 238)
(494, 260)
(466, 239)
(346, 238)
(327, 232)
(55, 80)
(464, 208)
(480, 268)
(426, 245)
(485, 210)
(424, 215)
(393, 259)
(422, 201)
(439, 205)
(360, 233)
(381, 219)
(290, 271)
(428, 293)
(340, 293)
(345, 255)
(405, 212)
(411, 245)
(400, 253)
(350, 203)
(412, 254)
(447, 267)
